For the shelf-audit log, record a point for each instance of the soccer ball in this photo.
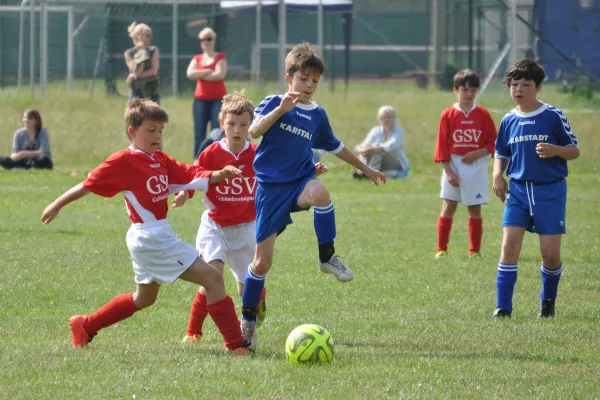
(309, 344)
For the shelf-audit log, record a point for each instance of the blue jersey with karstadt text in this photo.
(518, 136)
(285, 152)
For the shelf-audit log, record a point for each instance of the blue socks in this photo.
(505, 285)
(253, 286)
(550, 279)
(325, 230)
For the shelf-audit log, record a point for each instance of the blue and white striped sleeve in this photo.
(564, 134)
(266, 106)
(502, 149)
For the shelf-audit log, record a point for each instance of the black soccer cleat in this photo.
(546, 309)
(501, 313)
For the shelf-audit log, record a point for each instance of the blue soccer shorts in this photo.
(538, 207)
(274, 204)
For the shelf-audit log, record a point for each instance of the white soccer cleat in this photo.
(249, 333)
(340, 271)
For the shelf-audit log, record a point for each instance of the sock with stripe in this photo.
(253, 287)
(505, 285)
(550, 280)
(325, 230)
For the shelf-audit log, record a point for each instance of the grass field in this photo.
(406, 327)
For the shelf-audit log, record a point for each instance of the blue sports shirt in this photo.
(285, 152)
(518, 136)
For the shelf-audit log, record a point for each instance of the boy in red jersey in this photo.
(228, 226)
(146, 176)
(466, 139)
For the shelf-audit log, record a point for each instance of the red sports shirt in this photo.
(145, 181)
(461, 133)
(231, 201)
(210, 90)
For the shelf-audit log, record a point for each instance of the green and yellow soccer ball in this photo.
(309, 344)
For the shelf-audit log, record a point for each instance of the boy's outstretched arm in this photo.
(75, 193)
(260, 127)
(349, 157)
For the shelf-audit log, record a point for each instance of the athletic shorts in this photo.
(234, 243)
(157, 254)
(538, 207)
(274, 204)
(474, 182)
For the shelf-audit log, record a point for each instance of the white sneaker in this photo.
(249, 333)
(340, 271)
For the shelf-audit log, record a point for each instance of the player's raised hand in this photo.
(226, 173)
(375, 176)
(50, 213)
(289, 101)
(546, 150)
(321, 169)
(180, 199)
(500, 187)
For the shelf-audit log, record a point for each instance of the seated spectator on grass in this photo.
(31, 145)
(383, 148)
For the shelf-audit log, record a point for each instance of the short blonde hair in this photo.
(386, 110)
(207, 32)
(139, 110)
(236, 103)
(135, 30)
(304, 58)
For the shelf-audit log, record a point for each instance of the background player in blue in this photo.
(290, 126)
(536, 141)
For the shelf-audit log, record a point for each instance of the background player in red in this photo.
(146, 176)
(228, 226)
(466, 139)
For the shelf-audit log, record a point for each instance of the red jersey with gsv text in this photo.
(460, 132)
(146, 181)
(231, 201)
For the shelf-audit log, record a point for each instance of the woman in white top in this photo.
(383, 148)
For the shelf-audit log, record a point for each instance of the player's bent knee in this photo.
(142, 302)
(262, 265)
(320, 196)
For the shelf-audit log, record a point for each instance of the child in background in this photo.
(535, 141)
(146, 176)
(465, 141)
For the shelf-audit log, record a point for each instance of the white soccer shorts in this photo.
(157, 254)
(474, 182)
(235, 243)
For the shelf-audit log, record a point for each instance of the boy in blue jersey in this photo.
(290, 126)
(535, 141)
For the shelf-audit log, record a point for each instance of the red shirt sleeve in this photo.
(490, 133)
(202, 161)
(219, 57)
(442, 150)
(109, 178)
(184, 174)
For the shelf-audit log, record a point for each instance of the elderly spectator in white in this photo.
(383, 148)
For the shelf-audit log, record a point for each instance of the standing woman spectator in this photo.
(208, 70)
(142, 62)
(31, 145)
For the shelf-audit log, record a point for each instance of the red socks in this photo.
(444, 228)
(475, 234)
(226, 320)
(118, 309)
(198, 314)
